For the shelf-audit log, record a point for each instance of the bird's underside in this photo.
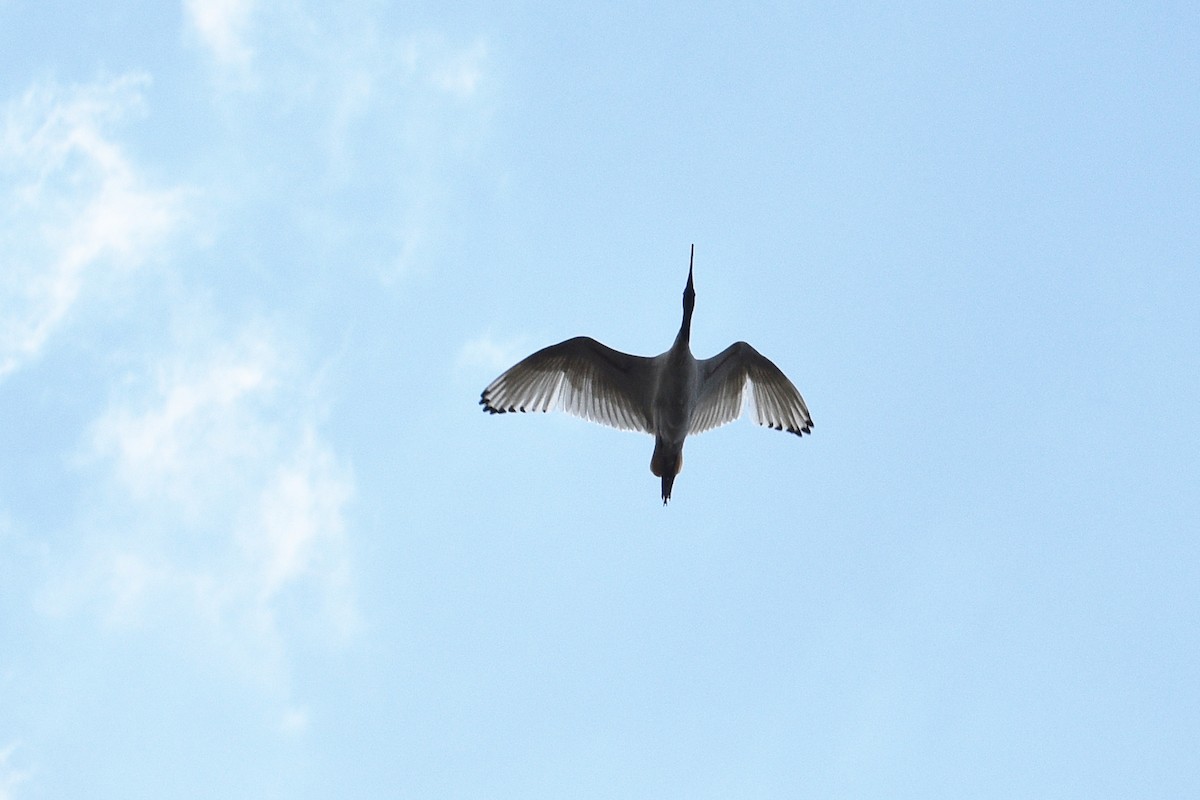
(585, 378)
(589, 380)
(670, 396)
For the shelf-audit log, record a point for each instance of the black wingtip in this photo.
(797, 431)
(486, 402)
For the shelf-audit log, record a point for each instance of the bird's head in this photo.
(689, 291)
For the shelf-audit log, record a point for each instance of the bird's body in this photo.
(669, 396)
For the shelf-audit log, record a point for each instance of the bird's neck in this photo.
(684, 337)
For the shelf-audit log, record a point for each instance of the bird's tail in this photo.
(666, 463)
(668, 480)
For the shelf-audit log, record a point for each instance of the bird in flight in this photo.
(668, 396)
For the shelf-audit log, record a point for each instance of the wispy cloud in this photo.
(223, 509)
(488, 354)
(460, 72)
(222, 27)
(10, 776)
(77, 204)
(325, 87)
(212, 504)
(180, 438)
(294, 721)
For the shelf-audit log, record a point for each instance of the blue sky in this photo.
(258, 259)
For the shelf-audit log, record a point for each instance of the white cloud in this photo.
(222, 513)
(77, 204)
(212, 507)
(461, 71)
(294, 721)
(300, 49)
(10, 776)
(369, 112)
(221, 26)
(487, 354)
(185, 438)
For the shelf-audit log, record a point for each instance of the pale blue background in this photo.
(257, 260)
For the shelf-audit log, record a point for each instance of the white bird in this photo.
(669, 396)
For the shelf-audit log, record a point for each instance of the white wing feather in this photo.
(582, 377)
(723, 382)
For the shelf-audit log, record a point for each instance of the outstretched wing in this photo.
(723, 382)
(579, 376)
